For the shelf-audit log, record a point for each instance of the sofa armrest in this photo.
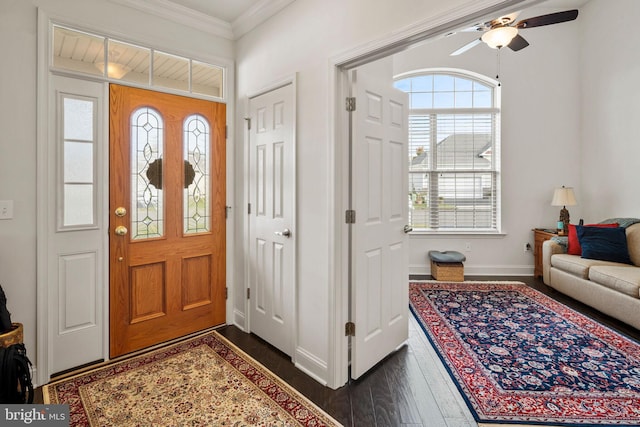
(549, 247)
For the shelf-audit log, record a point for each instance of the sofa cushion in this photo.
(573, 244)
(633, 243)
(621, 279)
(607, 244)
(576, 265)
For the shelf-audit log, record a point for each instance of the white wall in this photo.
(303, 39)
(610, 151)
(540, 138)
(18, 30)
(542, 99)
(18, 163)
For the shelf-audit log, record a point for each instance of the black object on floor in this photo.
(5, 316)
(15, 375)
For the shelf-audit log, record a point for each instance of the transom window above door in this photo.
(96, 55)
(454, 164)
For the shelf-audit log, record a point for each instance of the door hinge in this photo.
(226, 293)
(248, 293)
(350, 216)
(351, 103)
(226, 132)
(249, 208)
(248, 123)
(349, 329)
(226, 211)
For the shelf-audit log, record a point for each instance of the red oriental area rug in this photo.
(203, 381)
(519, 357)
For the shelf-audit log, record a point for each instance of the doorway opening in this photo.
(397, 49)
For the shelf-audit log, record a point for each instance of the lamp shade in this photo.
(499, 37)
(563, 196)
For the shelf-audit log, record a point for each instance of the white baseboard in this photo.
(311, 365)
(239, 320)
(482, 270)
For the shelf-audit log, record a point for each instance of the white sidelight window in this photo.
(77, 145)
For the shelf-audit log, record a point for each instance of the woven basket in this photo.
(14, 336)
(447, 271)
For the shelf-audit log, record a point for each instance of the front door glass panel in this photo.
(147, 202)
(197, 139)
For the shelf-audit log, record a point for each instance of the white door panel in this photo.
(379, 243)
(272, 228)
(76, 254)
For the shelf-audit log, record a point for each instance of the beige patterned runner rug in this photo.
(204, 381)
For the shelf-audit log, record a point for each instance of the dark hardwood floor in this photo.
(397, 391)
(408, 388)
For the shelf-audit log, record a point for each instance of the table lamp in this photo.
(564, 197)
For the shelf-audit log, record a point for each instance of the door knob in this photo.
(408, 228)
(286, 233)
(121, 230)
(120, 211)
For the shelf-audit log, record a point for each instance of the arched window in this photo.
(454, 164)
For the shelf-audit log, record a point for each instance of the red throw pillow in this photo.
(573, 245)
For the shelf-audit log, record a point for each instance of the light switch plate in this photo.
(6, 209)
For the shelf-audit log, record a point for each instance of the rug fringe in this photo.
(468, 281)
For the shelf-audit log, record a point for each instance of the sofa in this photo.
(611, 287)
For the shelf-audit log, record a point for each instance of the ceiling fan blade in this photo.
(518, 43)
(498, 22)
(466, 47)
(505, 20)
(552, 18)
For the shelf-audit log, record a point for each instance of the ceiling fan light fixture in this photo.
(499, 37)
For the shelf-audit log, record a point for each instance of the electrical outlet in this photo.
(527, 247)
(467, 246)
(6, 209)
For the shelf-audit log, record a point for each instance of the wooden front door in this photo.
(167, 217)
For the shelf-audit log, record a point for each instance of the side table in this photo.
(540, 236)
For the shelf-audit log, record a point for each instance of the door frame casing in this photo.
(42, 362)
(339, 184)
(243, 320)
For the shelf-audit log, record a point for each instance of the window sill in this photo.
(454, 234)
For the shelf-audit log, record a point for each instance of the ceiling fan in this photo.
(502, 31)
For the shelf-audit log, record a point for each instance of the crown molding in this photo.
(256, 15)
(182, 15)
(169, 10)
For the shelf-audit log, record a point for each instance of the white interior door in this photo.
(272, 270)
(379, 281)
(76, 230)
